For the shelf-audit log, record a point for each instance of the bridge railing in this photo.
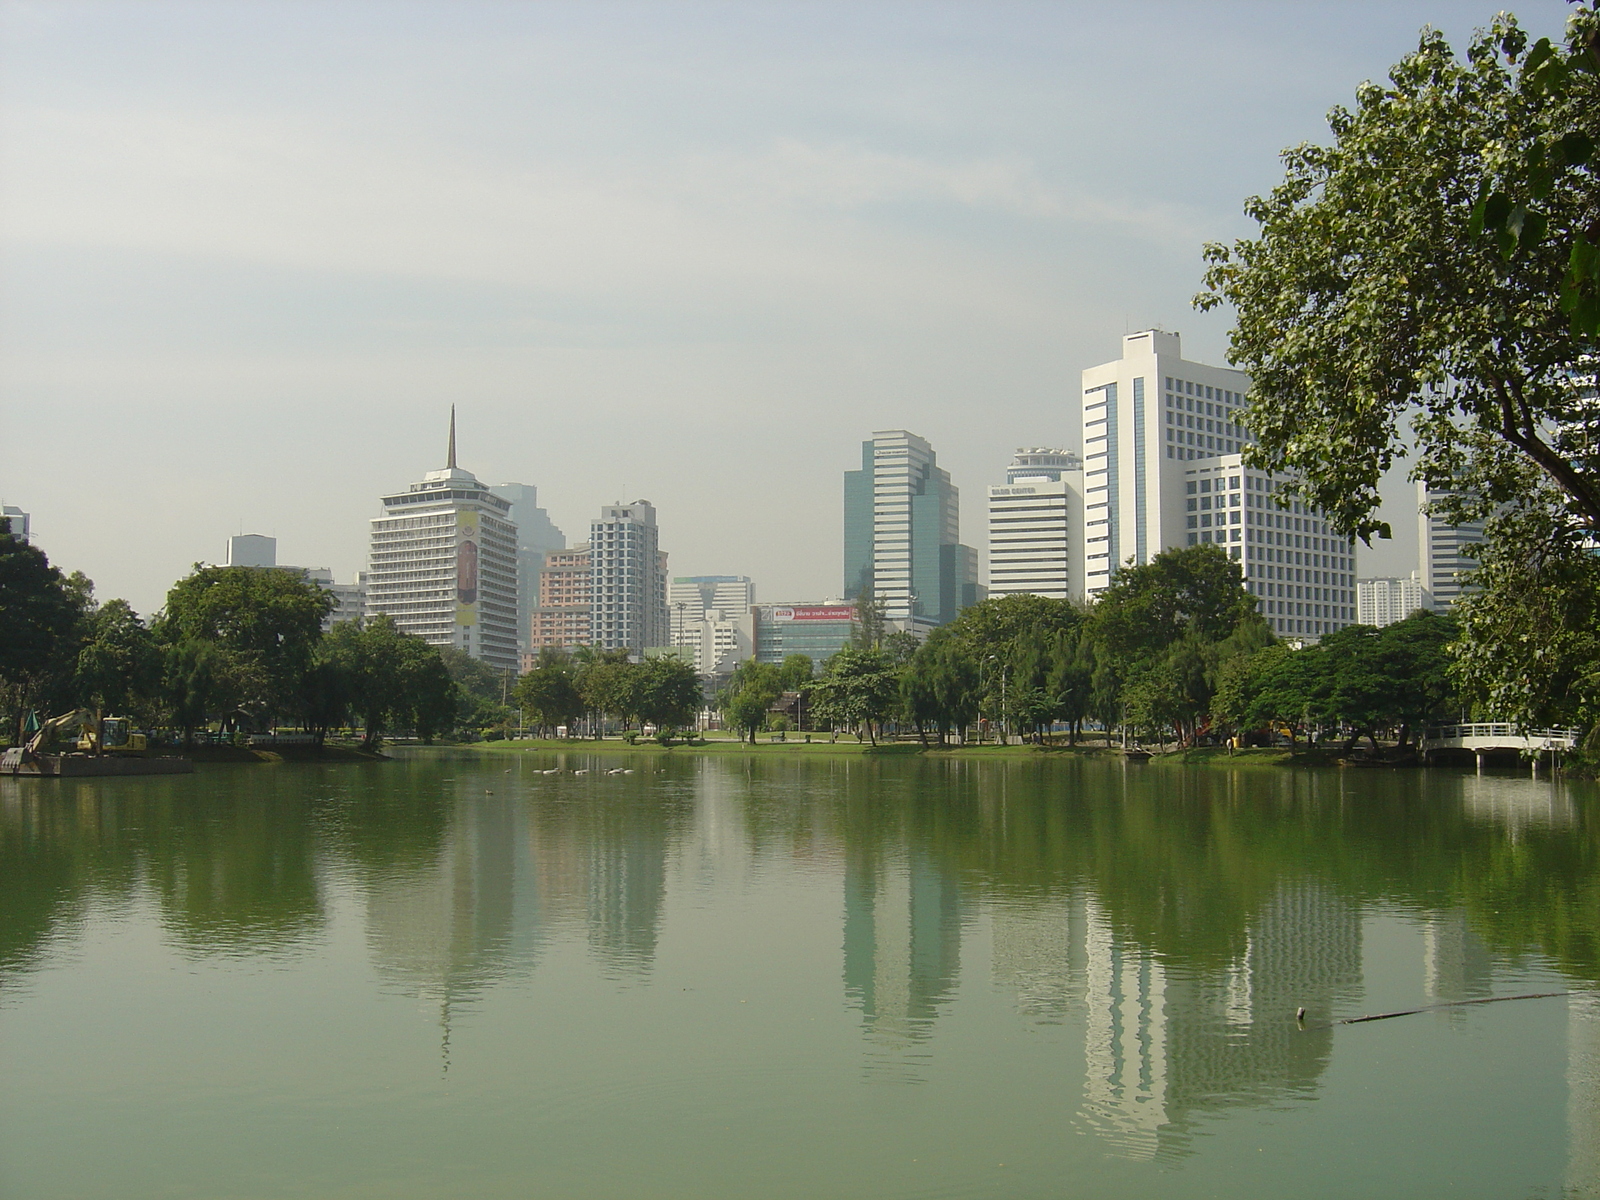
(1509, 733)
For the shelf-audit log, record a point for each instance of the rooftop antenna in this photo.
(452, 463)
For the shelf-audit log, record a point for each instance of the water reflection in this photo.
(1163, 923)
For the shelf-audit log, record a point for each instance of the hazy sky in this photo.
(693, 253)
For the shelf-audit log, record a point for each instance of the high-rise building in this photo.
(1444, 550)
(1300, 571)
(19, 522)
(566, 590)
(536, 537)
(1035, 524)
(1381, 602)
(1144, 416)
(628, 579)
(902, 519)
(443, 564)
(1162, 468)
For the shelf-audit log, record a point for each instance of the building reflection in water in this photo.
(1456, 965)
(902, 941)
(1167, 1042)
(1583, 1094)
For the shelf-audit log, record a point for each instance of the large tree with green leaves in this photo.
(1411, 281)
(43, 614)
(267, 624)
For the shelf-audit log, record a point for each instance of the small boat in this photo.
(1137, 754)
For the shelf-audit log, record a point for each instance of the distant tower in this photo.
(902, 519)
(537, 536)
(443, 564)
(1443, 550)
(628, 579)
(1036, 525)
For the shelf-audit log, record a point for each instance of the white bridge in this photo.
(1487, 737)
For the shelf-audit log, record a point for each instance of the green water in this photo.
(454, 976)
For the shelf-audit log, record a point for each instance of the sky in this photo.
(251, 253)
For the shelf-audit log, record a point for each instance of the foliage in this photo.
(749, 696)
(549, 695)
(939, 686)
(266, 623)
(392, 679)
(119, 666)
(860, 689)
(666, 692)
(1421, 267)
(42, 613)
(1530, 645)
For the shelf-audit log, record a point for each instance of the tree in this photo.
(667, 692)
(859, 689)
(1072, 679)
(795, 672)
(119, 665)
(192, 676)
(1529, 649)
(749, 696)
(606, 683)
(267, 622)
(1418, 270)
(549, 695)
(939, 686)
(392, 679)
(42, 615)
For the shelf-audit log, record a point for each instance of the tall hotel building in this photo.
(627, 579)
(902, 533)
(1035, 526)
(443, 564)
(1162, 438)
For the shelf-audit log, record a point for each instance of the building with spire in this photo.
(443, 564)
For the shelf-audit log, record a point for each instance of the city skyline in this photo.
(721, 235)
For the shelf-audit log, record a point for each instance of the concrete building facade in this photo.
(902, 518)
(560, 620)
(537, 536)
(1300, 571)
(443, 564)
(1145, 417)
(1444, 551)
(628, 579)
(817, 630)
(1382, 602)
(20, 523)
(1035, 526)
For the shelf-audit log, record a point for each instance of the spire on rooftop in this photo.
(451, 464)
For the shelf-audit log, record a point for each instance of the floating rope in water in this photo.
(1300, 1013)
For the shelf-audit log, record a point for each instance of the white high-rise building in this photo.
(1035, 526)
(1300, 571)
(443, 564)
(1162, 441)
(1145, 416)
(1381, 602)
(628, 578)
(1443, 551)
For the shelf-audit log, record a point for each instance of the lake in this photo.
(454, 975)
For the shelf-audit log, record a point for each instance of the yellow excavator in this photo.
(97, 734)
